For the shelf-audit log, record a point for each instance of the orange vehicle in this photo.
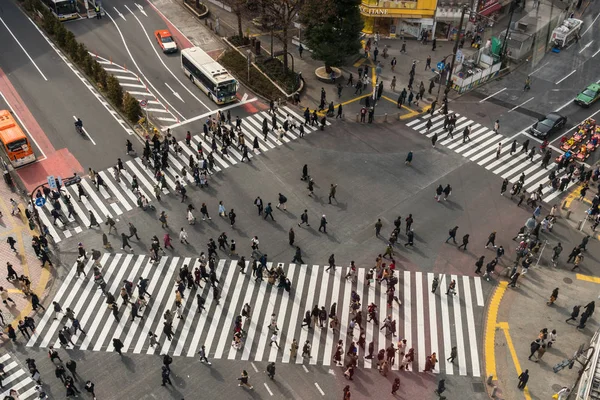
(15, 143)
(165, 41)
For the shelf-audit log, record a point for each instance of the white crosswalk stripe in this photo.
(116, 198)
(430, 322)
(482, 149)
(17, 378)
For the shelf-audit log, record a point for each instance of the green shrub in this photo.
(114, 91)
(101, 76)
(61, 37)
(88, 66)
(71, 45)
(82, 54)
(132, 108)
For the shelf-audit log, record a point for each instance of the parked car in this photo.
(589, 95)
(546, 126)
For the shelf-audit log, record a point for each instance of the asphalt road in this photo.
(126, 37)
(556, 81)
(55, 100)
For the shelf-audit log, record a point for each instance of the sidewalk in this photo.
(516, 315)
(24, 262)
(521, 316)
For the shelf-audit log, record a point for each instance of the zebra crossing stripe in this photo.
(433, 332)
(343, 309)
(231, 309)
(462, 365)
(471, 327)
(370, 331)
(254, 322)
(168, 305)
(322, 300)
(299, 289)
(109, 272)
(446, 324)
(407, 310)
(421, 352)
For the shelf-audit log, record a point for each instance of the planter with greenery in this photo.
(274, 68)
(239, 41)
(197, 7)
(237, 64)
(78, 53)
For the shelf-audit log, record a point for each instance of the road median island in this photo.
(237, 65)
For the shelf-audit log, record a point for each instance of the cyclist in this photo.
(79, 125)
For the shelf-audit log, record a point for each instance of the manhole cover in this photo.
(482, 115)
(478, 387)
(556, 388)
(568, 281)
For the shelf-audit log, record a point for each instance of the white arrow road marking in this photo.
(141, 9)
(585, 47)
(120, 15)
(174, 92)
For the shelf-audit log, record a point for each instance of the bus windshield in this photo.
(227, 88)
(65, 7)
(17, 145)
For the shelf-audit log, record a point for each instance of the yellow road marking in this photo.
(513, 353)
(574, 193)
(362, 96)
(588, 278)
(359, 62)
(490, 330)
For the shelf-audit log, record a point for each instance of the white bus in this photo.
(63, 9)
(209, 75)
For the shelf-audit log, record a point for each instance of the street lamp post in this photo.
(455, 50)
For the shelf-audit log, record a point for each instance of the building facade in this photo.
(392, 18)
(397, 18)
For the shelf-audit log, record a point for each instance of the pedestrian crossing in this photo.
(482, 149)
(116, 197)
(136, 87)
(430, 322)
(16, 378)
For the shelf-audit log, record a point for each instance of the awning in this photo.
(490, 9)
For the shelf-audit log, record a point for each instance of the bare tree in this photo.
(281, 13)
(238, 7)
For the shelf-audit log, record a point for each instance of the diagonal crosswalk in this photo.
(430, 322)
(116, 197)
(16, 377)
(482, 149)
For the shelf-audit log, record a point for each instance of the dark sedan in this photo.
(546, 126)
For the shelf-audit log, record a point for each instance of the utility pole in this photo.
(513, 6)
(460, 24)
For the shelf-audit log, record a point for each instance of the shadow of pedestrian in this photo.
(128, 362)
